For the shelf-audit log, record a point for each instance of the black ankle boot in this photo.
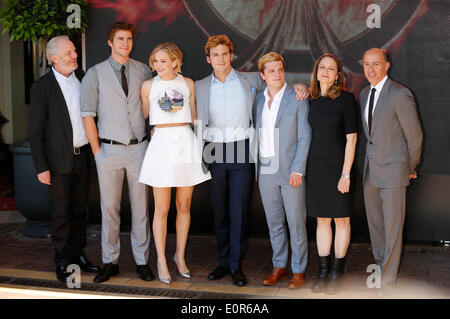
(336, 274)
(324, 272)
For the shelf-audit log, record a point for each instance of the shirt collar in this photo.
(231, 76)
(379, 86)
(61, 77)
(279, 93)
(116, 65)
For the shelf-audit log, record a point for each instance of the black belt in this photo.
(132, 142)
(77, 150)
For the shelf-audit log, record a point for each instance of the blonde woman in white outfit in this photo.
(173, 157)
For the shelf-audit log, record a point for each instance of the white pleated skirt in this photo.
(173, 159)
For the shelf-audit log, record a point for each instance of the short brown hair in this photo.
(269, 57)
(216, 40)
(336, 89)
(172, 50)
(121, 25)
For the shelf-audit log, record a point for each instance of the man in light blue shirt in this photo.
(228, 117)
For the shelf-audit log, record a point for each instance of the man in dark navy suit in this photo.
(60, 152)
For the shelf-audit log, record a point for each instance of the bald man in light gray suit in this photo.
(394, 143)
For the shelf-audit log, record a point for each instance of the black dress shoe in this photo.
(109, 270)
(145, 272)
(85, 264)
(239, 278)
(218, 273)
(62, 274)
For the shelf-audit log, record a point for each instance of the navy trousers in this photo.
(230, 190)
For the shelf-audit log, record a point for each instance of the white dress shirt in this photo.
(378, 88)
(71, 88)
(268, 119)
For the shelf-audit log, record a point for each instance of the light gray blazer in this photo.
(394, 147)
(251, 83)
(294, 133)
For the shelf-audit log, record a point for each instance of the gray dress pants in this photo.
(285, 203)
(113, 161)
(385, 209)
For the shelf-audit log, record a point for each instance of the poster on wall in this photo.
(301, 30)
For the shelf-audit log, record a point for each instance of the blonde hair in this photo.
(216, 40)
(172, 50)
(269, 57)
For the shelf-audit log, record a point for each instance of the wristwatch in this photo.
(345, 176)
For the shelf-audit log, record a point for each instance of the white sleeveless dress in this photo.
(174, 156)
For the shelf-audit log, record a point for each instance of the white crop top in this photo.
(169, 101)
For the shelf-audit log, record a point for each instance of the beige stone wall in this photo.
(12, 90)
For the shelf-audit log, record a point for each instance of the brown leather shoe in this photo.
(276, 275)
(297, 280)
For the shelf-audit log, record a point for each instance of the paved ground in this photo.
(424, 271)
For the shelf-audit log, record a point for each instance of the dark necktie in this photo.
(372, 97)
(124, 80)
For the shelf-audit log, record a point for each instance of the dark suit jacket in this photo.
(49, 126)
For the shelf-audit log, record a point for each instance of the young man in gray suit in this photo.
(283, 136)
(111, 91)
(394, 143)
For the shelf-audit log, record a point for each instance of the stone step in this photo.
(11, 217)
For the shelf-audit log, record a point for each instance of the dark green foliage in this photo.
(31, 20)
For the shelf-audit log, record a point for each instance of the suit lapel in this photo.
(206, 92)
(283, 104)
(61, 106)
(259, 110)
(363, 102)
(247, 92)
(380, 103)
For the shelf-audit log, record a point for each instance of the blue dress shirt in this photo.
(229, 119)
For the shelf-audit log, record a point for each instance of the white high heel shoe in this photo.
(179, 273)
(166, 281)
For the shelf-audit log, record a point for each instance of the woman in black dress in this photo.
(333, 116)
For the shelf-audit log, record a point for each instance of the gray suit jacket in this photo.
(394, 147)
(294, 134)
(251, 83)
